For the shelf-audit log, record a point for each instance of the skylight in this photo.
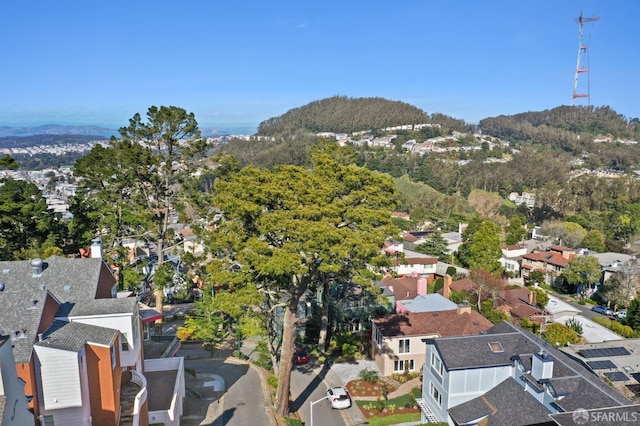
(495, 347)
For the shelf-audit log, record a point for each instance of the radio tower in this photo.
(581, 67)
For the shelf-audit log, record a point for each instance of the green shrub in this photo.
(575, 325)
(616, 327)
(273, 381)
(368, 375)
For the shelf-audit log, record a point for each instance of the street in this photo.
(240, 399)
(308, 385)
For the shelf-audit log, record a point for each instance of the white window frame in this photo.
(435, 394)
(436, 364)
(378, 337)
(113, 356)
(404, 346)
(398, 365)
(124, 342)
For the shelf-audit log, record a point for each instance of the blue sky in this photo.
(241, 62)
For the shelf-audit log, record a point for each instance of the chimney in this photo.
(422, 286)
(96, 248)
(414, 274)
(532, 297)
(463, 308)
(541, 366)
(36, 267)
(446, 289)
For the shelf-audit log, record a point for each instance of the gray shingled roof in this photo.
(72, 280)
(72, 336)
(61, 278)
(124, 305)
(581, 387)
(504, 405)
(461, 353)
(21, 303)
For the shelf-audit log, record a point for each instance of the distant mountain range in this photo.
(57, 129)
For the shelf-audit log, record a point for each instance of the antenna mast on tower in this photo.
(581, 67)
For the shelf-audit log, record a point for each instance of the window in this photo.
(145, 332)
(113, 356)
(403, 346)
(378, 336)
(435, 394)
(436, 366)
(403, 365)
(124, 343)
(47, 421)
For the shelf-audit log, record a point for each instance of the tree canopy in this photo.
(290, 228)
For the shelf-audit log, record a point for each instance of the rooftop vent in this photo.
(66, 287)
(5, 271)
(2, 286)
(34, 304)
(36, 267)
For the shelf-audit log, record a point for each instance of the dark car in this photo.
(300, 356)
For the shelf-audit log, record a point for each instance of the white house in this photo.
(460, 373)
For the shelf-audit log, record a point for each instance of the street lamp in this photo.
(311, 409)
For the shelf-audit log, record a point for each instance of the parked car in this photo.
(621, 314)
(300, 356)
(601, 310)
(339, 397)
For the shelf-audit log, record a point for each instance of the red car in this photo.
(300, 356)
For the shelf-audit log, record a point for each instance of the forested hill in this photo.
(341, 114)
(560, 125)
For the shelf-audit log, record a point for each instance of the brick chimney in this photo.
(446, 289)
(422, 286)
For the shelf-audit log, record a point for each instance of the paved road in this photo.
(240, 403)
(308, 384)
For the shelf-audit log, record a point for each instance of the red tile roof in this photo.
(441, 323)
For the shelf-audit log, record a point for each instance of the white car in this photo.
(339, 397)
(621, 314)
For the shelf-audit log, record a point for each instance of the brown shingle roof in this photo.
(441, 323)
(550, 257)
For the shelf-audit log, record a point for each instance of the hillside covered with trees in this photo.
(341, 114)
(565, 127)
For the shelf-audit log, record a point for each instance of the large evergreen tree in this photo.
(286, 230)
(136, 182)
(26, 226)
